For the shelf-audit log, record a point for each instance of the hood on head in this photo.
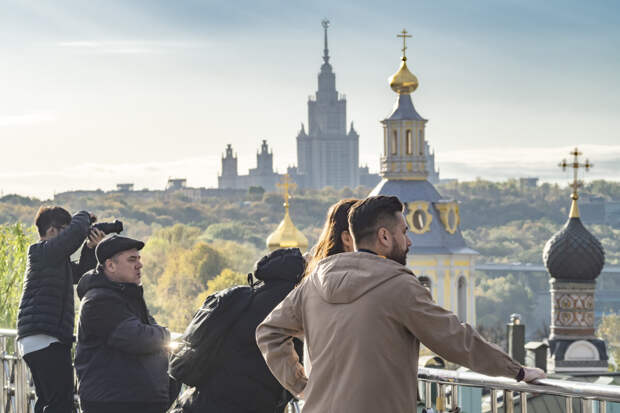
(282, 264)
(345, 277)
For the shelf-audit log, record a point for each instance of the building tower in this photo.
(574, 259)
(264, 160)
(439, 256)
(327, 155)
(287, 235)
(228, 178)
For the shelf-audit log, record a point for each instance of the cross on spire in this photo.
(404, 34)
(576, 184)
(287, 185)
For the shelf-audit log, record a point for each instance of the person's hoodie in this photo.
(363, 317)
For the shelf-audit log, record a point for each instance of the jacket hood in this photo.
(97, 279)
(285, 264)
(345, 277)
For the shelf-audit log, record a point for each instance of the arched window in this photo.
(462, 299)
(409, 142)
(395, 143)
(426, 282)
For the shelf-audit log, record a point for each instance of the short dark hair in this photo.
(51, 216)
(368, 215)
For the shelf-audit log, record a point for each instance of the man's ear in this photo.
(384, 237)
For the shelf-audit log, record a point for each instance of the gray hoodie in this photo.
(363, 317)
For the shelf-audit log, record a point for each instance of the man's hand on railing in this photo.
(531, 374)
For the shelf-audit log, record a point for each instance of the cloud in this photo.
(515, 162)
(27, 119)
(128, 46)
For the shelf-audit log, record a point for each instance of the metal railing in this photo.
(503, 390)
(17, 393)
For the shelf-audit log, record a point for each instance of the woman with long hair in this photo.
(335, 237)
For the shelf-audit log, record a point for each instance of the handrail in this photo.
(555, 387)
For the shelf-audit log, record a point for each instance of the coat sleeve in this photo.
(87, 262)
(274, 337)
(443, 333)
(69, 239)
(107, 317)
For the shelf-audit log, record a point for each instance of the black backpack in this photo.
(194, 357)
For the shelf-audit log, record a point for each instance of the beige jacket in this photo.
(363, 317)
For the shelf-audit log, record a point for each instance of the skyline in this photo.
(508, 88)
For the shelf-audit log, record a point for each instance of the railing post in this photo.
(509, 405)
(523, 397)
(428, 402)
(21, 386)
(494, 407)
(586, 406)
(440, 404)
(3, 379)
(602, 406)
(454, 397)
(569, 405)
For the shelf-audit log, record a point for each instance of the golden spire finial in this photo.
(286, 235)
(404, 34)
(403, 82)
(576, 184)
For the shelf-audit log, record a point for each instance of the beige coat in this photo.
(363, 317)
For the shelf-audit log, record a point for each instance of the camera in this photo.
(109, 227)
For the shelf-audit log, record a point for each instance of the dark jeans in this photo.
(52, 373)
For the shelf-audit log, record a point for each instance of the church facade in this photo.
(439, 255)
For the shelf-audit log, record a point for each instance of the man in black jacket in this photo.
(46, 314)
(241, 382)
(121, 358)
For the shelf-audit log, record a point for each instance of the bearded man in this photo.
(363, 316)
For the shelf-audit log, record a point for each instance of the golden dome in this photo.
(287, 235)
(403, 82)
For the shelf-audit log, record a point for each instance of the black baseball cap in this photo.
(115, 244)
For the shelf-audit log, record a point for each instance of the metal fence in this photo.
(440, 389)
(512, 396)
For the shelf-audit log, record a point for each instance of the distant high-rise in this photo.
(328, 155)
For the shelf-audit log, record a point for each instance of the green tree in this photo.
(498, 298)
(14, 241)
(226, 279)
(609, 330)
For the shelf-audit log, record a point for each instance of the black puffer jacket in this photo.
(121, 354)
(46, 306)
(243, 383)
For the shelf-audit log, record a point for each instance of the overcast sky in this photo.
(100, 92)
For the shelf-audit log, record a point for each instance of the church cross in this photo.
(287, 185)
(404, 34)
(576, 184)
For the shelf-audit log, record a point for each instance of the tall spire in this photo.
(325, 24)
(576, 184)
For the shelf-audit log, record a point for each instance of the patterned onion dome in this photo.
(573, 253)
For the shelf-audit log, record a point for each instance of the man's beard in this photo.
(399, 255)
